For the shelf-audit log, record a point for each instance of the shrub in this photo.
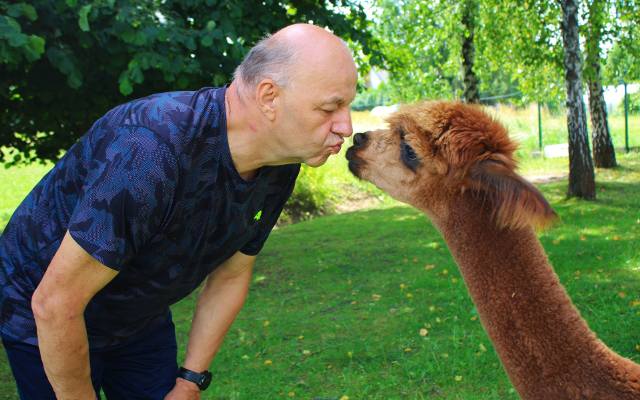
(634, 103)
(312, 196)
(370, 98)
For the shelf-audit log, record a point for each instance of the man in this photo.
(161, 194)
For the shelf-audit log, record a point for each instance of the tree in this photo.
(622, 61)
(622, 65)
(541, 39)
(469, 16)
(430, 48)
(523, 39)
(604, 154)
(581, 175)
(64, 63)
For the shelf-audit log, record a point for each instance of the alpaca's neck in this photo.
(544, 344)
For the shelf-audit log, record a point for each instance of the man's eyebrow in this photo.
(334, 100)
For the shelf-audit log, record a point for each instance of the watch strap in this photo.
(201, 379)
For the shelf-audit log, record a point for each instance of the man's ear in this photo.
(267, 93)
(516, 203)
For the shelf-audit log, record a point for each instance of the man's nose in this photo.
(359, 139)
(343, 125)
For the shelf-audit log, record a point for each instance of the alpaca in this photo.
(455, 163)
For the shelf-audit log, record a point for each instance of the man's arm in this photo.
(220, 301)
(71, 280)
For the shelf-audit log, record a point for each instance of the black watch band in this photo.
(201, 379)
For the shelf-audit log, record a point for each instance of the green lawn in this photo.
(338, 303)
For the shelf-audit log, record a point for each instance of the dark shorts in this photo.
(143, 367)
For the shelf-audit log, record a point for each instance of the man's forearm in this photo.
(64, 350)
(218, 304)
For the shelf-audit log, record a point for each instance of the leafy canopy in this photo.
(64, 63)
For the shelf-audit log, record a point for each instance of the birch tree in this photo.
(581, 174)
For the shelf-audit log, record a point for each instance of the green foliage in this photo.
(428, 64)
(312, 196)
(622, 65)
(16, 46)
(517, 49)
(64, 63)
(634, 103)
(623, 59)
(367, 99)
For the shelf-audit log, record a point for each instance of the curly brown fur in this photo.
(455, 162)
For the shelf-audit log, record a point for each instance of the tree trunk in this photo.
(581, 175)
(471, 92)
(604, 154)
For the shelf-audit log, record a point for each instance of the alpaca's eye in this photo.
(409, 156)
(408, 151)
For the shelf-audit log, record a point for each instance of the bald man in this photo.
(161, 194)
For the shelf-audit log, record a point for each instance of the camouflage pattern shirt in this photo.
(150, 191)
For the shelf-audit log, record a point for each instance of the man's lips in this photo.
(335, 149)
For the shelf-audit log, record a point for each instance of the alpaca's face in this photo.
(434, 151)
(427, 149)
(387, 160)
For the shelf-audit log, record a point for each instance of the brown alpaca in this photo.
(455, 163)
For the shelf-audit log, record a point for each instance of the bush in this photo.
(311, 197)
(371, 98)
(634, 103)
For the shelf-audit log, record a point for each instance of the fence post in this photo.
(626, 119)
(539, 128)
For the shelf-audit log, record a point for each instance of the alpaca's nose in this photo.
(359, 139)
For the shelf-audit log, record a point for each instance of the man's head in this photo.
(302, 80)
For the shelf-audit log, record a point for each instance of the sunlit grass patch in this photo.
(370, 305)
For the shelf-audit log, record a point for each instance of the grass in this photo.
(337, 304)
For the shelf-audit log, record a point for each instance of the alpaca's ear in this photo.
(516, 203)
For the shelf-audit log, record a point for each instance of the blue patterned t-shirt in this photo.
(150, 191)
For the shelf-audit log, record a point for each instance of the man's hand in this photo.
(71, 280)
(183, 390)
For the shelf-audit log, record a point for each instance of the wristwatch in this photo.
(201, 379)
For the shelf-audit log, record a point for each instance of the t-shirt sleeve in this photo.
(127, 194)
(270, 215)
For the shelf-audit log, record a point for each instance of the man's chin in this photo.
(317, 161)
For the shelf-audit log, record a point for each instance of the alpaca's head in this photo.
(434, 151)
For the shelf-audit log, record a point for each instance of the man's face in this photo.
(315, 114)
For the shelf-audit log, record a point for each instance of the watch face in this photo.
(206, 380)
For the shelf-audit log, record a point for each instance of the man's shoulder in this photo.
(174, 117)
(159, 108)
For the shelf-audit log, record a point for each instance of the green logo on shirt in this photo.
(258, 216)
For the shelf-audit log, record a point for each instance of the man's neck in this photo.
(243, 132)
